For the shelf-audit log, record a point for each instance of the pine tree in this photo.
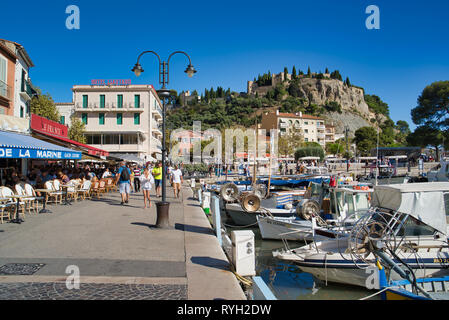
(327, 71)
(348, 83)
(294, 72)
(308, 72)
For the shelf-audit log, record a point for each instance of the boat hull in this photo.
(243, 218)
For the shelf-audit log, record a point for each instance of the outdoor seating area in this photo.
(24, 199)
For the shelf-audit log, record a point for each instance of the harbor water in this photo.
(288, 282)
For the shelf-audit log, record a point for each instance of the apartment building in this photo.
(119, 118)
(312, 128)
(15, 84)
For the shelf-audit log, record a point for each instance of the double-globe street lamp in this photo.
(164, 94)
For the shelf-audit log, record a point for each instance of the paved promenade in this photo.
(118, 251)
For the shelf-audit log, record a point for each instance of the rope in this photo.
(233, 226)
(375, 294)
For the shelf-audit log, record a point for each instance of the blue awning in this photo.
(21, 146)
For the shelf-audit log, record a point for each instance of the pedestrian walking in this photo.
(146, 181)
(176, 179)
(157, 174)
(123, 178)
(137, 173)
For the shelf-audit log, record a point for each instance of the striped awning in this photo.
(22, 146)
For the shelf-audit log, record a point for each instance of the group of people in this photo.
(145, 180)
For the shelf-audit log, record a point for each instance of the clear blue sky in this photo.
(231, 42)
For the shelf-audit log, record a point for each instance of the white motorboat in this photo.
(346, 205)
(410, 218)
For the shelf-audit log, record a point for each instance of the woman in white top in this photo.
(146, 180)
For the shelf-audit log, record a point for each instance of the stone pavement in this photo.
(119, 253)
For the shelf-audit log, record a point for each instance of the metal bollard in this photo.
(162, 220)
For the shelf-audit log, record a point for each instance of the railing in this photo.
(5, 90)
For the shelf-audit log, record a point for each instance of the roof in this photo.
(304, 116)
(423, 201)
(417, 187)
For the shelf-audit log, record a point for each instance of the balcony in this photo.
(156, 144)
(157, 111)
(320, 135)
(157, 128)
(25, 91)
(5, 90)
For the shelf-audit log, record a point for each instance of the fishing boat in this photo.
(344, 206)
(411, 216)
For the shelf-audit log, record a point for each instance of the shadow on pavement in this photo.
(143, 224)
(211, 262)
(190, 228)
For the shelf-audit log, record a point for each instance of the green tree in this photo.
(347, 82)
(309, 152)
(336, 75)
(433, 106)
(76, 130)
(294, 75)
(365, 139)
(335, 148)
(309, 73)
(425, 136)
(376, 105)
(327, 71)
(44, 106)
(288, 143)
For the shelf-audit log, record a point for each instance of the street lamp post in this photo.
(164, 94)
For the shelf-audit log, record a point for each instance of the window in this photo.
(119, 118)
(85, 101)
(120, 101)
(111, 139)
(101, 118)
(306, 122)
(62, 120)
(93, 138)
(84, 118)
(136, 118)
(21, 112)
(129, 139)
(102, 100)
(23, 80)
(137, 100)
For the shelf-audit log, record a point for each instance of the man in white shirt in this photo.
(176, 180)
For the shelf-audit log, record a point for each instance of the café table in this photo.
(46, 191)
(66, 187)
(18, 197)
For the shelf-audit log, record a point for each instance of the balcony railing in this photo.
(5, 90)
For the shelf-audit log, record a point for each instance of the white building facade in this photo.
(118, 118)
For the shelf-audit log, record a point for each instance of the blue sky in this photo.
(231, 42)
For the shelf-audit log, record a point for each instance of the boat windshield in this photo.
(403, 224)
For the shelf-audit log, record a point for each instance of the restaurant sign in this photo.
(24, 153)
(110, 82)
(43, 125)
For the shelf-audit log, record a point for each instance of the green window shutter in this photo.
(62, 120)
(119, 118)
(102, 100)
(21, 112)
(85, 101)
(84, 118)
(136, 118)
(137, 100)
(101, 118)
(120, 101)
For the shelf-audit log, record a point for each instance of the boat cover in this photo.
(423, 201)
